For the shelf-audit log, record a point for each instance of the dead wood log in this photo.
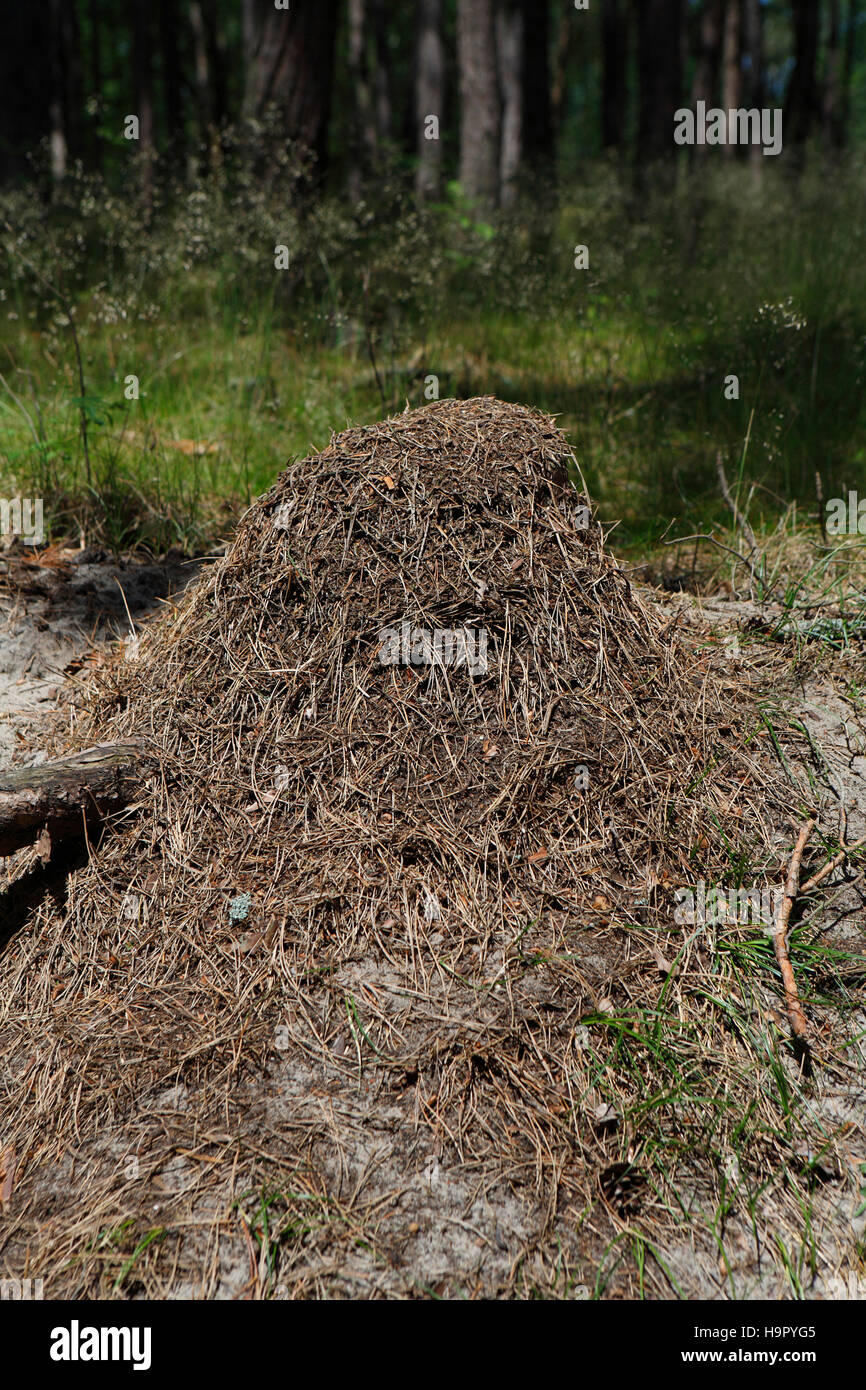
(64, 796)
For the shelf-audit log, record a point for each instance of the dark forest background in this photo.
(160, 356)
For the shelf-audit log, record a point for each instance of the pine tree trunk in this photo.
(479, 103)
(509, 57)
(429, 97)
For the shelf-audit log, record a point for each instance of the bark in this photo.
(363, 139)
(705, 84)
(731, 68)
(95, 78)
(289, 64)
(169, 32)
(429, 96)
(850, 38)
(801, 104)
(142, 77)
(56, 104)
(68, 794)
(831, 104)
(479, 103)
(753, 68)
(201, 69)
(509, 57)
(25, 87)
(614, 40)
(381, 72)
(537, 123)
(660, 78)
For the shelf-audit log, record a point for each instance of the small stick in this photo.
(822, 521)
(796, 1017)
(834, 864)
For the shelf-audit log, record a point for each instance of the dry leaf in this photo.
(665, 967)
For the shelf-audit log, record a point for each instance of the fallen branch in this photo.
(796, 1017)
(64, 796)
(834, 864)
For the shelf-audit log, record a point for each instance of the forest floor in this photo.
(57, 612)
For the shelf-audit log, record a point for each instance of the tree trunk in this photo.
(845, 100)
(142, 80)
(479, 103)
(614, 41)
(509, 58)
(429, 97)
(660, 78)
(363, 141)
(94, 16)
(831, 105)
(25, 88)
(731, 67)
(169, 32)
(381, 73)
(68, 794)
(56, 103)
(289, 64)
(753, 72)
(537, 123)
(705, 84)
(801, 103)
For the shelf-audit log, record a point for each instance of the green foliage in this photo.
(761, 280)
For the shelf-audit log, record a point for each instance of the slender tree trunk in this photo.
(95, 79)
(363, 126)
(831, 102)
(289, 64)
(731, 65)
(562, 55)
(614, 41)
(753, 72)
(479, 103)
(142, 81)
(56, 103)
(705, 84)
(381, 73)
(429, 97)
(509, 57)
(201, 72)
(73, 81)
(537, 123)
(801, 104)
(169, 32)
(25, 85)
(660, 79)
(847, 68)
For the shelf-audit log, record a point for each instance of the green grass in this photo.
(631, 355)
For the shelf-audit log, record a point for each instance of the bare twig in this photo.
(833, 864)
(819, 493)
(796, 1017)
